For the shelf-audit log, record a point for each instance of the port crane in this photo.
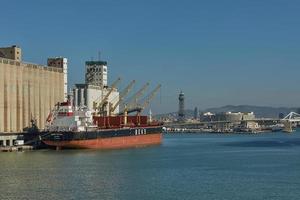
(139, 108)
(123, 94)
(135, 98)
(102, 105)
(292, 117)
(132, 101)
(149, 98)
(288, 121)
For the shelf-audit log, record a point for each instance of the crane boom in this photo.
(104, 100)
(122, 95)
(150, 97)
(140, 108)
(134, 99)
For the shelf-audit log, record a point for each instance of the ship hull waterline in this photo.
(109, 143)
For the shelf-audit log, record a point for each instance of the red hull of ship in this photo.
(110, 143)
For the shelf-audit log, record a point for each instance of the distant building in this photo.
(181, 112)
(196, 113)
(207, 117)
(235, 116)
(96, 73)
(280, 115)
(249, 125)
(227, 116)
(27, 91)
(61, 63)
(248, 116)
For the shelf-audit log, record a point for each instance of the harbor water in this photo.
(185, 166)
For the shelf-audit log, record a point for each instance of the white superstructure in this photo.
(65, 118)
(95, 87)
(86, 95)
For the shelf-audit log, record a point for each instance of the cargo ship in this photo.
(81, 129)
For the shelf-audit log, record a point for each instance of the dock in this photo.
(16, 148)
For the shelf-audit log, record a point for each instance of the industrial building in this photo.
(96, 73)
(227, 116)
(234, 116)
(13, 53)
(27, 91)
(86, 94)
(95, 88)
(61, 63)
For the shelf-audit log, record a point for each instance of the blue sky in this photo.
(218, 52)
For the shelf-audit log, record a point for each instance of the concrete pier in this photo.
(7, 140)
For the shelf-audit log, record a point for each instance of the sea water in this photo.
(185, 166)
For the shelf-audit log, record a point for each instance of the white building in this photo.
(96, 73)
(61, 62)
(86, 95)
(95, 88)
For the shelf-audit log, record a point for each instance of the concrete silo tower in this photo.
(181, 113)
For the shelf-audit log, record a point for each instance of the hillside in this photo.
(260, 111)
